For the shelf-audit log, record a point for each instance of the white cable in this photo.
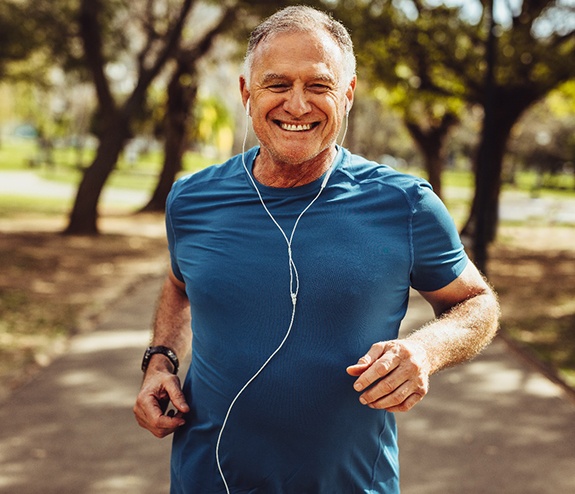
(294, 286)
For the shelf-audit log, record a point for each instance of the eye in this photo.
(319, 88)
(278, 88)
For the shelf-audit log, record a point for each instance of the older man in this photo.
(296, 259)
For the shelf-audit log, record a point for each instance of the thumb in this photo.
(177, 396)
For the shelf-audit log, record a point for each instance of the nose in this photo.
(296, 103)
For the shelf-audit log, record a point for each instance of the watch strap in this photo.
(164, 350)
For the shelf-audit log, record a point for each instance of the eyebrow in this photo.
(273, 77)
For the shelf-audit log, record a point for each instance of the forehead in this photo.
(294, 54)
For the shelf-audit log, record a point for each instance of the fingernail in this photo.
(362, 401)
(358, 386)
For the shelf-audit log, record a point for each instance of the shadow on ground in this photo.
(491, 426)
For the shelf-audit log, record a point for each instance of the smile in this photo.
(296, 128)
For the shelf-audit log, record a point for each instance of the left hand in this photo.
(393, 375)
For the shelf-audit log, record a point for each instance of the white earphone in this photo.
(293, 285)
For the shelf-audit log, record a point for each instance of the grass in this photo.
(13, 205)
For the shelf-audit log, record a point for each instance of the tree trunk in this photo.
(116, 122)
(481, 226)
(181, 100)
(84, 214)
(431, 143)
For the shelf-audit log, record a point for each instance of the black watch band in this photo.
(164, 350)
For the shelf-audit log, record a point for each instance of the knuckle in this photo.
(379, 345)
(381, 368)
(403, 407)
(386, 387)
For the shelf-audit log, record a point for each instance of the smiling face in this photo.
(298, 98)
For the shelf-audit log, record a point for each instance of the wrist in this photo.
(159, 362)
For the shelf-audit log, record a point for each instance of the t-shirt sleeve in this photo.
(170, 232)
(438, 254)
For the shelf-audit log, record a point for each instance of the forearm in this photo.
(172, 321)
(459, 333)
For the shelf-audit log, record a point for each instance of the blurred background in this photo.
(104, 103)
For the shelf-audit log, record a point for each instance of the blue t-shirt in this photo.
(298, 427)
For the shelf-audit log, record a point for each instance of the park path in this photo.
(495, 425)
(515, 206)
(30, 184)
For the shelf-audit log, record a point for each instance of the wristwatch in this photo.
(164, 350)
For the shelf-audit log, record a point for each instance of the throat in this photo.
(287, 175)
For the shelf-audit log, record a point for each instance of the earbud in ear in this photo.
(347, 108)
(248, 107)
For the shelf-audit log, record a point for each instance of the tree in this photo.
(182, 91)
(544, 139)
(183, 86)
(17, 37)
(394, 47)
(439, 50)
(523, 64)
(429, 133)
(162, 25)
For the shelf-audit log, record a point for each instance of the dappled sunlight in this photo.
(110, 340)
(505, 421)
(118, 483)
(496, 378)
(72, 429)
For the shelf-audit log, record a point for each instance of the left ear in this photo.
(349, 94)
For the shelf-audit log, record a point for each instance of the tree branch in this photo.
(90, 32)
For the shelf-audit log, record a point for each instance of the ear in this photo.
(245, 93)
(349, 94)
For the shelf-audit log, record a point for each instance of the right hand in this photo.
(158, 389)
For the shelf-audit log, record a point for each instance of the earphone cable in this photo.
(294, 285)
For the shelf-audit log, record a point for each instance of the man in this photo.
(296, 259)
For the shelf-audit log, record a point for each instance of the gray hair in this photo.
(302, 18)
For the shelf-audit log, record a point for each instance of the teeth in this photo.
(295, 128)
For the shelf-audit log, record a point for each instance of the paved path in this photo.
(494, 425)
(515, 205)
(30, 184)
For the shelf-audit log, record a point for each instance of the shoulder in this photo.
(366, 173)
(208, 180)
(214, 173)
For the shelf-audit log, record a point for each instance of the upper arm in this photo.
(470, 283)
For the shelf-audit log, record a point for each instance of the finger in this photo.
(368, 359)
(386, 395)
(166, 425)
(149, 411)
(357, 369)
(408, 404)
(375, 372)
(153, 419)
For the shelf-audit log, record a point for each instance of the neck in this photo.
(275, 173)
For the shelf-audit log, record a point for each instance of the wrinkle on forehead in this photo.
(320, 47)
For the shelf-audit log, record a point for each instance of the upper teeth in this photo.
(295, 128)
